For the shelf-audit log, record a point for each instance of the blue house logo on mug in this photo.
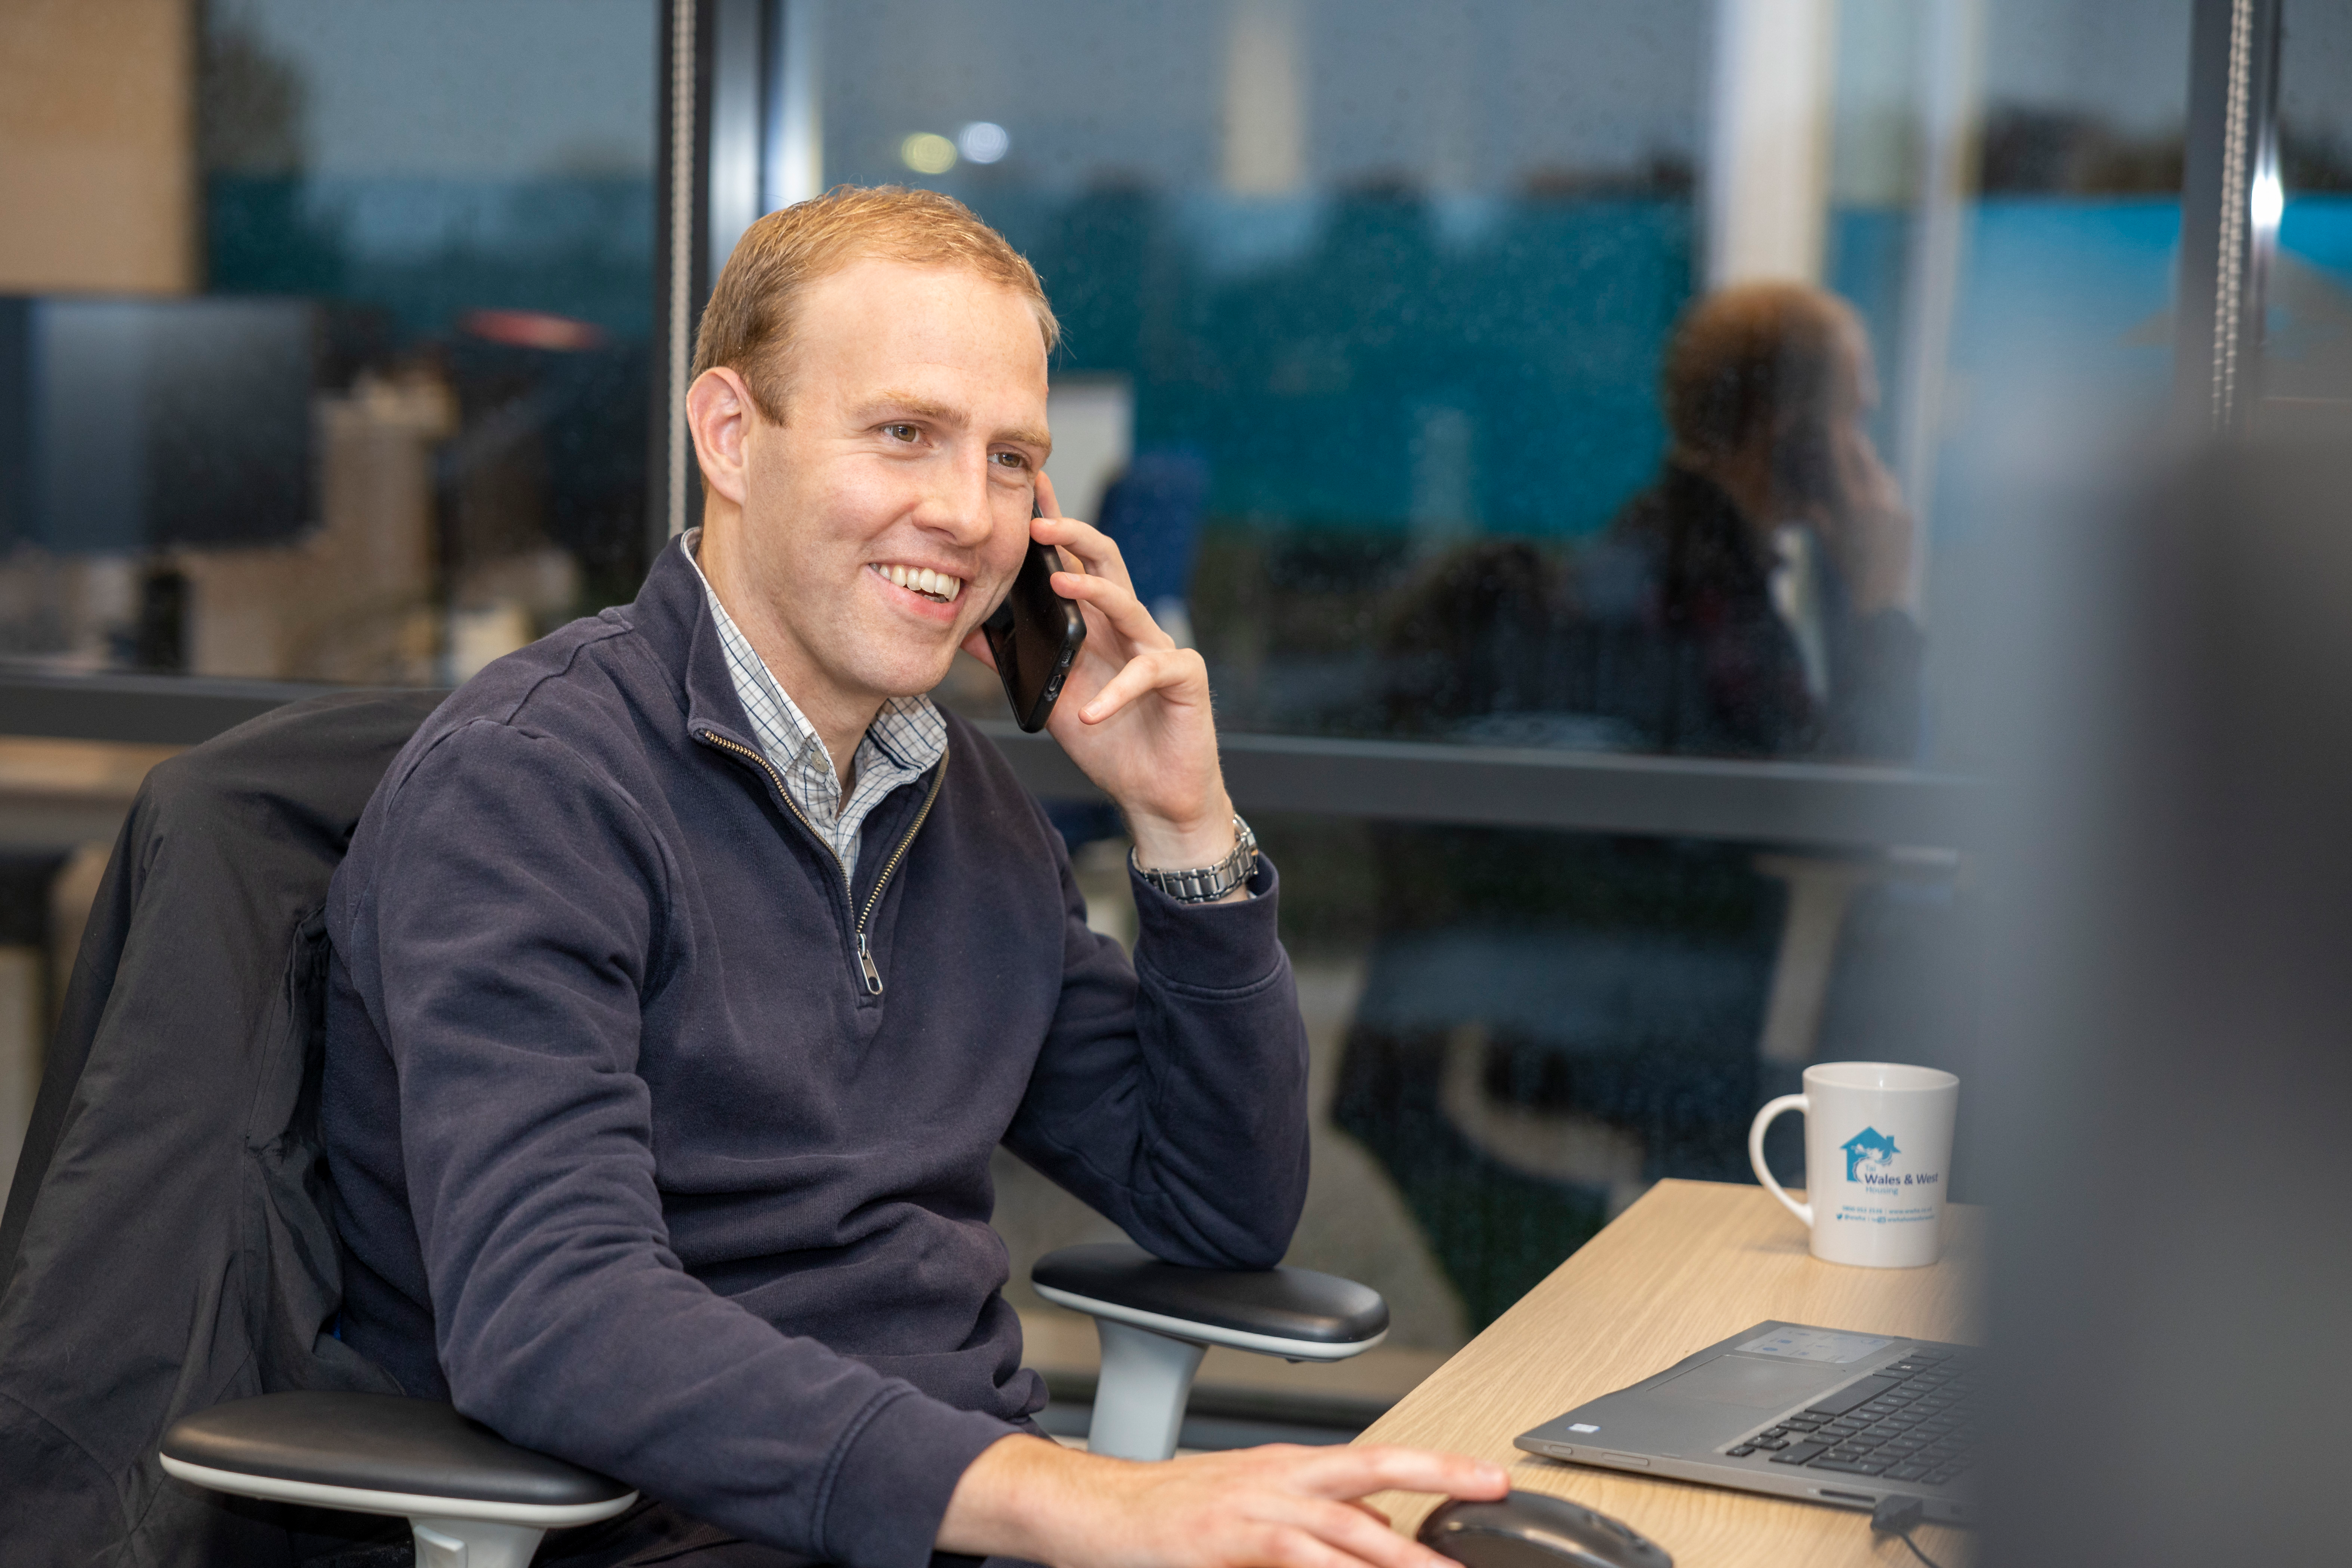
(1870, 1158)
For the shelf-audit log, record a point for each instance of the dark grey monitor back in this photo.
(2171, 1087)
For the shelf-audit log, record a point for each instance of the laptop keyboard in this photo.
(1914, 1421)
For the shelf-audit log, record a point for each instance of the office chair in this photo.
(473, 1500)
(205, 1264)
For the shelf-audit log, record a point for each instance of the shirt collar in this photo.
(908, 731)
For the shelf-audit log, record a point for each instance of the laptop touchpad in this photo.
(1757, 1384)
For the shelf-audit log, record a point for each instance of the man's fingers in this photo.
(1154, 669)
(1344, 1526)
(1291, 1546)
(1046, 501)
(1351, 1472)
(1095, 549)
(977, 646)
(1118, 604)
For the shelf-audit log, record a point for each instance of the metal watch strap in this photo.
(1207, 884)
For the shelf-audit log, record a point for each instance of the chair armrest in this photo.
(1295, 1313)
(378, 1453)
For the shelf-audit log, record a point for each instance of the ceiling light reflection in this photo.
(2269, 199)
(983, 142)
(928, 152)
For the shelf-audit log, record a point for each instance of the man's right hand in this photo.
(1282, 1505)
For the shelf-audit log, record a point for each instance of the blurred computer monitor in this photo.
(133, 424)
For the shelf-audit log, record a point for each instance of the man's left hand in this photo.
(1134, 710)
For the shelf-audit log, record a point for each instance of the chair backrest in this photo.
(168, 1241)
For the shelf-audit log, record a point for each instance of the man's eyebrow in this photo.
(909, 403)
(917, 406)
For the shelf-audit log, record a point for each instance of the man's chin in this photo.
(909, 679)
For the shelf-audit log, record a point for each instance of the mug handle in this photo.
(1755, 1154)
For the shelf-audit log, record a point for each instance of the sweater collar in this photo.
(672, 613)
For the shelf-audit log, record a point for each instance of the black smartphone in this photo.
(1035, 635)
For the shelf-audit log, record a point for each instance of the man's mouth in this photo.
(936, 586)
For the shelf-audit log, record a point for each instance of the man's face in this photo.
(910, 445)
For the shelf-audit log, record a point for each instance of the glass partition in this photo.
(389, 419)
(1379, 319)
(1368, 287)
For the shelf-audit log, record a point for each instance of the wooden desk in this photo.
(1691, 1263)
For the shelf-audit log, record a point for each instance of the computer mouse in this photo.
(1529, 1530)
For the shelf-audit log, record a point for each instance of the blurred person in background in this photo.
(1758, 593)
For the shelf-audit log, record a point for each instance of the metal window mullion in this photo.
(735, 136)
(2225, 252)
(2230, 256)
(682, 209)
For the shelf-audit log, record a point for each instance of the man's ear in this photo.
(718, 412)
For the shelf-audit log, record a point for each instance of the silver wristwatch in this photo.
(1210, 883)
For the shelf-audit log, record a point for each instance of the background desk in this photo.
(1691, 1263)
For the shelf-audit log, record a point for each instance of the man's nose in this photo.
(956, 503)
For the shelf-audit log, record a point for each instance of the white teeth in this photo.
(922, 580)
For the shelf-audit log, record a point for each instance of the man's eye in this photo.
(1010, 459)
(901, 432)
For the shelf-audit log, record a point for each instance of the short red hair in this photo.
(748, 326)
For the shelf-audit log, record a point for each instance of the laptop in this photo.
(1819, 1413)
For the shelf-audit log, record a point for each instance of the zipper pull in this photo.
(866, 963)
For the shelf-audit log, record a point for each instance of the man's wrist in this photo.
(1164, 843)
(1025, 1497)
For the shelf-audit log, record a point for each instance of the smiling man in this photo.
(689, 965)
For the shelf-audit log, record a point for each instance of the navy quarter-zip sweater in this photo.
(635, 1166)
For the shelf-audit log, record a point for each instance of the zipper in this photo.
(889, 869)
(865, 966)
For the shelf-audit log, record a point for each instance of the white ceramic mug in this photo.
(1878, 1158)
